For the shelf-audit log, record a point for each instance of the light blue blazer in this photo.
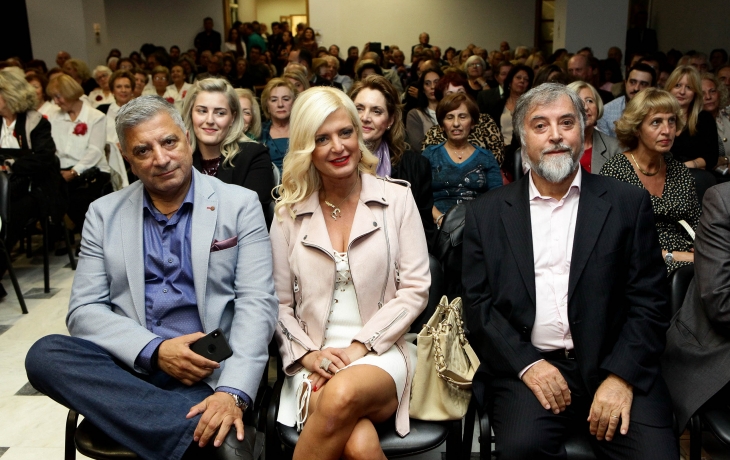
(234, 287)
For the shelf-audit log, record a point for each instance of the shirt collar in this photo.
(189, 198)
(83, 114)
(575, 185)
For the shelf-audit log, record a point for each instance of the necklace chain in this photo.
(456, 151)
(336, 213)
(647, 173)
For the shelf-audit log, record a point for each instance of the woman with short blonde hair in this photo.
(79, 71)
(250, 108)
(696, 146)
(276, 102)
(356, 369)
(212, 116)
(648, 128)
(297, 76)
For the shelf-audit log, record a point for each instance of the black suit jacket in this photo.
(617, 294)
(251, 169)
(696, 364)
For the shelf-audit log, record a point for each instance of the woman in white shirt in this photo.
(160, 80)
(79, 132)
(179, 87)
(101, 95)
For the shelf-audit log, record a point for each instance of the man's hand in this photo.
(219, 413)
(548, 385)
(612, 401)
(175, 358)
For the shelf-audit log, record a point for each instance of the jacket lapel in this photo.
(205, 217)
(517, 224)
(133, 249)
(592, 213)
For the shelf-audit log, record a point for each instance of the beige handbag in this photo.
(446, 365)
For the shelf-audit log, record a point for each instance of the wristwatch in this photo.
(240, 402)
(669, 258)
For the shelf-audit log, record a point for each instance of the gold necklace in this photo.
(647, 173)
(336, 213)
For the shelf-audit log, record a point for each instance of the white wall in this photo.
(268, 11)
(48, 38)
(161, 22)
(449, 23)
(595, 23)
(701, 25)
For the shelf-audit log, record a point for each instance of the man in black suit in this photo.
(208, 39)
(566, 299)
(698, 340)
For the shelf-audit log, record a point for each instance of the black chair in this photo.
(4, 213)
(92, 442)
(678, 285)
(703, 180)
(424, 436)
(47, 223)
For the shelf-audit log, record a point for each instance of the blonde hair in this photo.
(80, 67)
(645, 103)
(229, 145)
(19, 95)
(300, 178)
(297, 73)
(255, 127)
(580, 85)
(275, 83)
(695, 83)
(161, 69)
(722, 91)
(66, 86)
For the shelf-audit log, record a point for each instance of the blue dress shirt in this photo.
(171, 308)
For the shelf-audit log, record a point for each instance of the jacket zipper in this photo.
(372, 339)
(397, 274)
(352, 274)
(291, 338)
(334, 282)
(387, 244)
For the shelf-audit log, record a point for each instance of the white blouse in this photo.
(178, 97)
(7, 137)
(97, 98)
(48, 108)
(80, 151)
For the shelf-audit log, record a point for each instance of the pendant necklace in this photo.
(336, 213)
(460, 155)
(647, 173)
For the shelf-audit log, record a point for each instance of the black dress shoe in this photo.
(233, 449)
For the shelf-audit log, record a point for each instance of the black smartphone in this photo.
(376, 47)
(213, 346)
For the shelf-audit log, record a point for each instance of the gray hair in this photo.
(102, 69)
(141, 109)
(541, 95)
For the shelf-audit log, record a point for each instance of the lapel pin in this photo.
(212, 208)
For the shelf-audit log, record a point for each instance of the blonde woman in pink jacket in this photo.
(351, 272)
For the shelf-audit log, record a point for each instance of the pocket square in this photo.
(223, 244)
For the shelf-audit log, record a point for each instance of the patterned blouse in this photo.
(485, 134)
(453, 183)
(678, 202)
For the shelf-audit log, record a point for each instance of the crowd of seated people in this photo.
(444, 123)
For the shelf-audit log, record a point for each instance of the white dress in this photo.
(343, 324)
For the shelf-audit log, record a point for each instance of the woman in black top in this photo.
(696, 145)
(381, 116)
(212, 114)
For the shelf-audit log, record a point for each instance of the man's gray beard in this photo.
(555, 168)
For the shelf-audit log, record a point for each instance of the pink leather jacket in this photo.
(389, 266)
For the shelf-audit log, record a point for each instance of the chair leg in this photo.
(453, 441)
(695, 438)
(13, 278)
(485, 437)
(468, 430)
(46, 262)
(70, 445)
(69, 245)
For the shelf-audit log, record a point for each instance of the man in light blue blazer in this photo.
(164, 261)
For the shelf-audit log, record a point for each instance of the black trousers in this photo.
(80, 196)
(525, 430)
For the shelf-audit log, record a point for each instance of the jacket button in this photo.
(305, 237)
(383, 198)
(375, 224)
(524, 329)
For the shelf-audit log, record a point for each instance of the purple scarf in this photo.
(382, 153)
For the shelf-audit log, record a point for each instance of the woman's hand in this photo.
(682, 256)
(69, 175)
(312, 361)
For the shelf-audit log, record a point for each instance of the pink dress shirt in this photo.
(553, 232)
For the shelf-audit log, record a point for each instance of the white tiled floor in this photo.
(32, 427)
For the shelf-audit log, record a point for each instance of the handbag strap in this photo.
(687, 227)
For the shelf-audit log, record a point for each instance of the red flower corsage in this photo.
(170, 100)
(80, 129)
(98, 97)
(184, 93)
